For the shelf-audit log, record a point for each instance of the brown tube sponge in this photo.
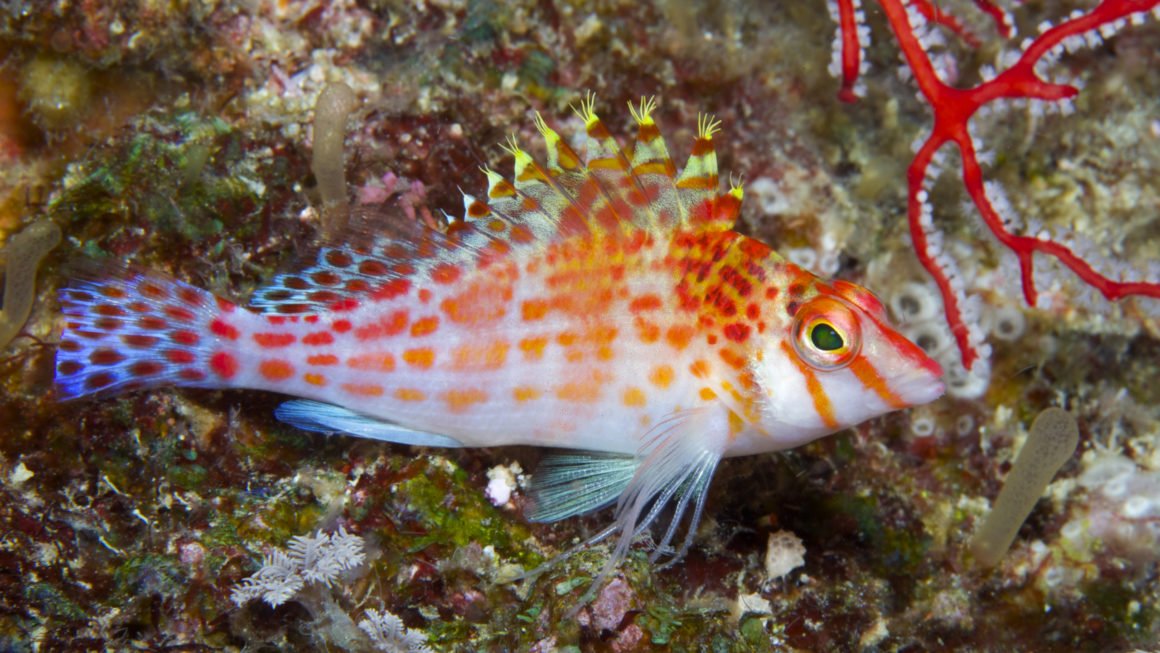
(334, 105)
(21, 257)
(1052, 440)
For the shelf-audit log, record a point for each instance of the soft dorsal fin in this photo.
(605, 193)
(387, 265)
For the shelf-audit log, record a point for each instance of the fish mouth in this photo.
(921, 388)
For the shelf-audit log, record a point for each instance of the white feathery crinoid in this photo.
(318, 558)
(387, 632)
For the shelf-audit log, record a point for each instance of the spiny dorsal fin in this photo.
(653, 169)
(698, 184)
(605, 192)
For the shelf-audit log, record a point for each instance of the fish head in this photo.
(835, 362)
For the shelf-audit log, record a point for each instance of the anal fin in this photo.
(328, 418)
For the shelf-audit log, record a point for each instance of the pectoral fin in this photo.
(673, 466)
(566, 485)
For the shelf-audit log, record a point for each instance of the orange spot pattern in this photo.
(525, 393)
(679, 335)
(424, 326)
(363, 389)
(372, 362)
(422, 358)
(410, 394)
(480, 357)
(533, 348)
(390, 325)
(318, 338)
(661, 376)
(580, 391)
(634, 397)
(273, 369)
(459, 401)
(534, 309)
(274, 340)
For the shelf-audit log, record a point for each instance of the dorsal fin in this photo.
(698, 186)
(653, 169)
(385, 265)
(606, 192)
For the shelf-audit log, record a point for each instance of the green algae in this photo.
(53, 602)
(146, 575)
(183, 175)
(455, 513)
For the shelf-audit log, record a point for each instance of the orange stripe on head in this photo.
(822, 405)
(870, 378)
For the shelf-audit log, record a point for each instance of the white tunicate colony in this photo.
(1122, 514)
(918, 309)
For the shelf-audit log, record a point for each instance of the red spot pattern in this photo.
(227, 331)
(224, 365)
(179, 356)
(445, 273)
(274, 340)
(318, 338)
(390, 325)
(737, 331)
(392, 289)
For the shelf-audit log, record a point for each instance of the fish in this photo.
(603, 306)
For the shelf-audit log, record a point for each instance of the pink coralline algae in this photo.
(953, 108)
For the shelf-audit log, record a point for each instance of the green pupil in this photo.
(825, 337)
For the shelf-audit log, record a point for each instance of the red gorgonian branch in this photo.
(953, 109)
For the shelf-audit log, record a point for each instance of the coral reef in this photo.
(186, 146)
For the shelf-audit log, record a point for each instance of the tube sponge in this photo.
(334, 105)
(1053, 438)
(21, 257)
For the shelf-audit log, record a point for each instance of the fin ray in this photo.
(566, 485)
(606, 193)
(127, 330)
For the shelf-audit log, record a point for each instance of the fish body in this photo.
(602, 304)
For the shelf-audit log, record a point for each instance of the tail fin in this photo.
(134, 331)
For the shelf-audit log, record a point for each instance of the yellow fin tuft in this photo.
(547, 132)
(707, 126)
(587, 109)
(643, 114)
(512, 147)
(736, 186)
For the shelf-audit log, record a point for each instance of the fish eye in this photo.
(827, 335)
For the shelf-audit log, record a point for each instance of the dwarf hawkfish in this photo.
(602, 304)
